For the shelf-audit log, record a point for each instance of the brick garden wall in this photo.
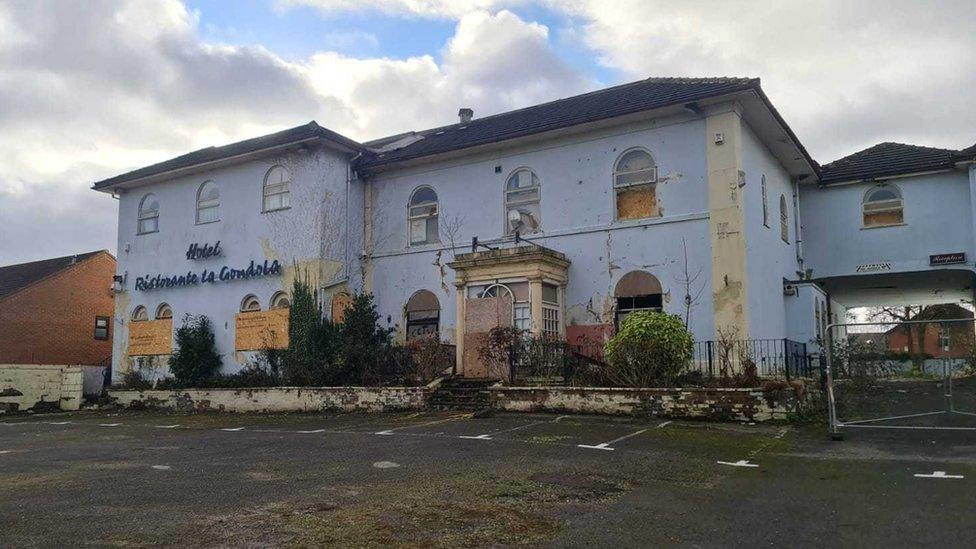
(40, 387)
(53, 321)
(279, 399)
(711, 404)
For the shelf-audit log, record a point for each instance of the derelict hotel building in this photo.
(687, 195)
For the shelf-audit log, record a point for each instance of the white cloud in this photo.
(95, 89)
(438, 9)
(845, 75)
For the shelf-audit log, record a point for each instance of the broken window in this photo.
(522, 197)
(883, 206)
(139, 314)
(250, 303)
(784, 220)
(764, 204)
(637, 291)
(422, 214)
(423, 314)
(279, 301)
(634, 183)
(164, 311)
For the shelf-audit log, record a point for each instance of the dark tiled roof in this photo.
(620, 100)
(887, 159)
(16, 277)
(969, 153)
(300, 133)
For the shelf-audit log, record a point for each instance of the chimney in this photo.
(465, 114)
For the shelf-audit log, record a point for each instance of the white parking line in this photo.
(161, 467)
(938, 474)
(740, 463)
(311, 432)
(59, 423)
(390, 431)
(665, 424)
(233, 429)
(479, 437)
(606, 445)
(109, 424)
(166, 426)
(6, 452)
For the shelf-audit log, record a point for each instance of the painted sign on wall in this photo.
(208, 276)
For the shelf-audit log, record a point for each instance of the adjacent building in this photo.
(58, 311)
(677, 194)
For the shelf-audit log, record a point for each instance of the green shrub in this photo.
(368, 352)
(195, 358)
(650, 348)
(312, 356)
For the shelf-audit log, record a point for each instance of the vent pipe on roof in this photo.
(465, 114)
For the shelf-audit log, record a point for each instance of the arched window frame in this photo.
(422, 217)
(164, 311)
(208, 206)
(892, 209)
(279, 300)
(784, 219)
(250, 304)
(140, 314)
(276, 189)
(523, 200)
(629, 182)
(626, 304)
(148, 215)
(765, 202)
(421, 322)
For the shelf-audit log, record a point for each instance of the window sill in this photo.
(423, 245)
(147, 232)
(208, 222)
(276, 210)
(865, 228)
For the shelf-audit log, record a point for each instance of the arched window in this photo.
(277, 189)
(883, 206)
(208, 203)
(250, 303)
(784, 219)
(163, 311)
(517, 292)
(148, 214)
(522, 196)
(637, 291)
(423, 314)
(280, 301)
(340, 304)
(139, 314)
(634, 184)
(422, 216)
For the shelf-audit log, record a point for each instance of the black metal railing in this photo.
(547, 361)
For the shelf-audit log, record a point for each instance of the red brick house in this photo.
(938, 340)
(57, 311)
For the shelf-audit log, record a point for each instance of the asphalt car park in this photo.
(448, 479)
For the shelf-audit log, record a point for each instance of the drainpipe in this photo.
(345, 230)
(797, 225)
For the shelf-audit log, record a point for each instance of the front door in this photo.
(480, 316)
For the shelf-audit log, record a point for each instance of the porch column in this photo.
(535, 304)
(461, 286)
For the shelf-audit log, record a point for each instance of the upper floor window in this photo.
(762, 184)
(280, 301)
(208, 203)
(250, 303)
(277, 189)
(784, 220)
(522, 196)
(164, 311)
(101, 328)
(634, 184)
(422, 216)
(883, 206)
(139, 314)
(148, 214)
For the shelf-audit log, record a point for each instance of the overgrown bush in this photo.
(650, 348)
(195, 358)
(367, 352)
(312, 356)
(429, 357)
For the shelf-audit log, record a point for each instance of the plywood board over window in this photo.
(636, 202)
(151, 337)
(258, 330)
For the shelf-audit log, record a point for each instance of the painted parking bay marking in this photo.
(606, 445)
(435, 422)
(479, 437)
(488, 436)
(233, 429)
(109, 424)
(938, 474)
(740, 463)
(167, 426)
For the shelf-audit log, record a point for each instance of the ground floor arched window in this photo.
(636, 291)
(423, 314)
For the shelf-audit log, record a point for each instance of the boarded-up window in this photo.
(423, 314)
(258, 330)
(635, 182)
(883, 206)
(151, 337)
(784, 220)
(637, 291)
(340, 304)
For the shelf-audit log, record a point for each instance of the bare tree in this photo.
(450, 227)
(693, 289)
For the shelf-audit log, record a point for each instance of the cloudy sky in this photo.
(90, 89)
